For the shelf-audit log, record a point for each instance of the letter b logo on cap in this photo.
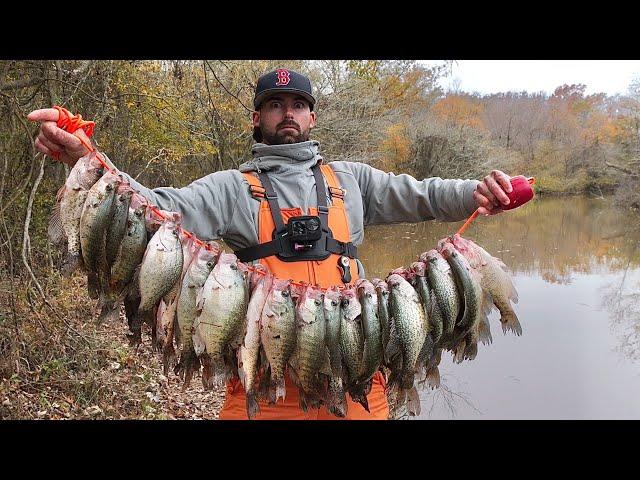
(283, 77)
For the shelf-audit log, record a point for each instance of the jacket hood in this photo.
(292, 156)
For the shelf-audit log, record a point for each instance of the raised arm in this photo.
(207, 205)
(389, 198)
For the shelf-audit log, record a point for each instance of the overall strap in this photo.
(272, 198)
(323, 209)
(335, 190)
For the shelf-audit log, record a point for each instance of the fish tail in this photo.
(484, 331)
(71, 263)
(471, 350)
(110, 311)
(253, 408)
(510, 321)
(433, 377)
(280, 390)
(458, 351)
(93, 285)
(168, 357)
(413, 401)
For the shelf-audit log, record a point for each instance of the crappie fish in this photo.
(220, 325)
(352, 344)
(128, 258)
(475, 304)
(382, 290)
(336, 399)
(248, 353)
(372, 355)
(411, 326)
(162, 263)
(94, 222)
(166, 323)
(118, 226)
(421, 285)
(443, 285)
(278, 334)
(65, 220)
(494, 280)
(310, 354)
(192, 282)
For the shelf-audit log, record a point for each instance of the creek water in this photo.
(575, 263)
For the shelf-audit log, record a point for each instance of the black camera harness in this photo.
(282, 244)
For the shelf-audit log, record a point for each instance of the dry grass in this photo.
(62, 366)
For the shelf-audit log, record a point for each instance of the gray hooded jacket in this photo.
(219, 205)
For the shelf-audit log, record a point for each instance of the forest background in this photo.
(167, 123)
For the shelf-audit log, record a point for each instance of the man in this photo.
(295, 214)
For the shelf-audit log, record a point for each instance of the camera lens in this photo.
(313, 224)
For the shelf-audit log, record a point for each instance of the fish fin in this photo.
(241, 367)
(253, 408)
(433, 377)
(458, 351)
(93, 285)
(471, 350)
(71, 263)
(110, 311)
(207, 371)
(484, 331)
(413, 401)
(168, 357)
(509, 321)
(55, 232)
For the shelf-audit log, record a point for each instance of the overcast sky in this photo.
(493, 76)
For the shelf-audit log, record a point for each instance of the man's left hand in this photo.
(491, 193)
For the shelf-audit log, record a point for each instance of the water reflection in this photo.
(576, 266)
(553, 238)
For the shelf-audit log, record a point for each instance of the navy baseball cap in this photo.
(284, 81)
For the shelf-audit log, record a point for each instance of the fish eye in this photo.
(345, 303)
(317, 302)
(109, 187)
(233, 266)
(210, 264)
(285, 293)
(334, 303)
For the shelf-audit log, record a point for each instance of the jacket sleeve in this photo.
(390, 198)
(207, 205)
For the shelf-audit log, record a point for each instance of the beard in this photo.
(279, 137)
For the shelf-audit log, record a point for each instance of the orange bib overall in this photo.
(320, 272)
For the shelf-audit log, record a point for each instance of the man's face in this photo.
(284, 118)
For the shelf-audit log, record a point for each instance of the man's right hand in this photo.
(52, 139)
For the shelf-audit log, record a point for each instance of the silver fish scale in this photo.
(223, 315)
(131, 250)
(118, 226)
(161, 266)
(310, 343)
(351, 345)
(444, 287)
(383, 313)
(409, 322)
(332, 335)
(278, 332)
(468, 284)
(372, 350)
(192, 282)
(94, 221)
(70, 212)
(250, 348)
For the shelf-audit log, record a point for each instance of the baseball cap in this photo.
(284, 81)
